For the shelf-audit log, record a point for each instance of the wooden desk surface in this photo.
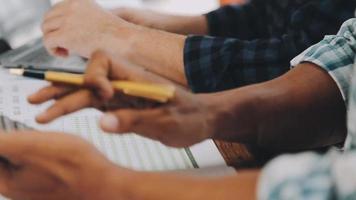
(242, 156)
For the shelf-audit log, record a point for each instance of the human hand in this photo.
(56, 166)
(81, 26)
(51, 166)
(185, 120)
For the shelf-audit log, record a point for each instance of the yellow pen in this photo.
(157, 92)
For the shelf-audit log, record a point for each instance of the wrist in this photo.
(133, 185)
(157, 51)
(113, 183)
(159, 186)
(235, 115)
(186, 25)
(118, 183)
(117, 38)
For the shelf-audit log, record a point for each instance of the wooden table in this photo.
(242, 156)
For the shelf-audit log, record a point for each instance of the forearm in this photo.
(162, 186)
(179, 24)
(159, 52)
(184, 25)
(300, 110)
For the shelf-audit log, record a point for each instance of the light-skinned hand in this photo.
(55, 166)
(81, 27)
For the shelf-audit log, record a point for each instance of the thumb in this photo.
(5, 174)
(124, 121)
(96, 75)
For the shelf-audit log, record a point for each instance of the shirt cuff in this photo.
(198, 63)
(331, 55)
(335, 54)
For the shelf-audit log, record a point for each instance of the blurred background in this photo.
(18, 19)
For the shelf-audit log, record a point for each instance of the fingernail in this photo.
(110, 123)
(41, 118)
(29, 98)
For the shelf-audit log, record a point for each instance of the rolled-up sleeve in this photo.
(215, 64)
(255, 53)
(335, 54)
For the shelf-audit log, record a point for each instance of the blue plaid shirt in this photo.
(314, 176)
(255, 42)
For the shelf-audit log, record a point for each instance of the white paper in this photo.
(129, 150)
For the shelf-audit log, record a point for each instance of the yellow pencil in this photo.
(157, 92)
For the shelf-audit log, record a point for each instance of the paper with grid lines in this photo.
(130, 150)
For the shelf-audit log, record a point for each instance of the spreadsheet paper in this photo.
(129, 150)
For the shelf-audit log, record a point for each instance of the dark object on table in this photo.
(4, 46)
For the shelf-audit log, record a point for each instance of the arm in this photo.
(47, 172)
(171, 23)
(293, 105)
(170, 186)
(208, 64)
(229, 21)
(213, 64)
(310, 175)
(287, 113)
(331, 61)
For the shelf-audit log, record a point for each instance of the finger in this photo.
(54, 43)
(14, 146)
(66, 105)
(19, 148)
(4, 179)
(51, 24)
(164, 125)
(144, 122)
(22, 147)
(123, 12)
(49, 93)
(97, 73)
(5, 172)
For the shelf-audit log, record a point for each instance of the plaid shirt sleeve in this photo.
(335, 54)
(315, 176)
(214, 63)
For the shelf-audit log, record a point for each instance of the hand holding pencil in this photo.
(157, 92)
(104, 85)
(184, 120)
